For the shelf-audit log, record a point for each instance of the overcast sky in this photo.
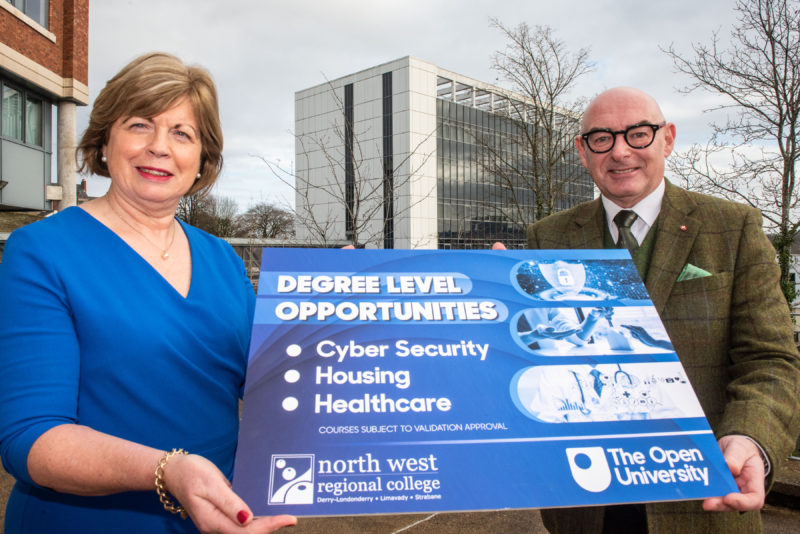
(261, 52)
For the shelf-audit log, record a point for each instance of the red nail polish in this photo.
(242, 516)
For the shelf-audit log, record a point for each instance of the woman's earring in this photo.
(103, 159)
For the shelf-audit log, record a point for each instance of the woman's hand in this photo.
(77, 459)
(207, 497)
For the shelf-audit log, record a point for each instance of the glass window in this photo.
(12, 113)
(33, 121)
(472, 195)
(35, 9)
(23, 116)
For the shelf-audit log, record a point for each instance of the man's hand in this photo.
(747, 467)
(549, 332)
(644, 336)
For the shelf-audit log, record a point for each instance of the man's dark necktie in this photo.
(624, 219)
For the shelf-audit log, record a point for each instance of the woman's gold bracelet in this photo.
(161, 490)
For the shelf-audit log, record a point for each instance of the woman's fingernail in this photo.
(242, 516)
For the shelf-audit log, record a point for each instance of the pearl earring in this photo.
(103, 159)
(199, 174)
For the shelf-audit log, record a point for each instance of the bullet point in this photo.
(290, 404)
(291, 376)
(293, 350)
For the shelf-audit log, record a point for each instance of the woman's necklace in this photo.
(165, 250)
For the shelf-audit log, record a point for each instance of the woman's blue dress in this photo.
(91, 334)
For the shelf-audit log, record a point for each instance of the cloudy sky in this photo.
(261, 52)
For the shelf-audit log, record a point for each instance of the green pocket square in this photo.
(691, 272)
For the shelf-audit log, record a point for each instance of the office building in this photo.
(409, 155)
(44, 48)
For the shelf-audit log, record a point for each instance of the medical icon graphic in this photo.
(608, 392)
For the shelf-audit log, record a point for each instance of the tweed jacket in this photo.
(731, 331)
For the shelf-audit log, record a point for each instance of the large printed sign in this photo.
(389, 381)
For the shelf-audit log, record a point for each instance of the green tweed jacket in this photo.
(731, 331)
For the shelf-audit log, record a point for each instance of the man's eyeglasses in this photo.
(637, 136)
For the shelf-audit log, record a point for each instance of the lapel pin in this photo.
(683, 228)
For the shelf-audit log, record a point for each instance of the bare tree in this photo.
(189, 208)
(536, 163)
(759, 77)
(267, 221)
(225, 219)
(369, 200)
(215, 215)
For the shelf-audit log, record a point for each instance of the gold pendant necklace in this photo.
(164, 251)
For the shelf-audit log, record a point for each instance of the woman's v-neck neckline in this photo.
(148, 264)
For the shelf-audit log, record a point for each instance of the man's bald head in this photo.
(624, 174)
(621, 94)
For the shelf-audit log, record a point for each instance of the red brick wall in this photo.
(69, 55)
(76, 40)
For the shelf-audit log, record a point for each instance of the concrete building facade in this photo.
(44, 64)
(394, 157)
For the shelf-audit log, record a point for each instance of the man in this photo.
(711, 274)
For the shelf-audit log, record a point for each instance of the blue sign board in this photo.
(397, 381)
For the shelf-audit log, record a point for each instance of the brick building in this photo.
(44, 65)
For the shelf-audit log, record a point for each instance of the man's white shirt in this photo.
(647, 211)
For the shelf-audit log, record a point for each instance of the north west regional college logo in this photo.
(589, 468)
(291, 479)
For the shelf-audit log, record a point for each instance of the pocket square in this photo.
(690, 272)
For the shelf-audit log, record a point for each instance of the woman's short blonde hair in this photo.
(146, 87)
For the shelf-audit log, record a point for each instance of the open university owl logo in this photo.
(291, 479)
(589, 468)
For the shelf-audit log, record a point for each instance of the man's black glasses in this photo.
(602, 140)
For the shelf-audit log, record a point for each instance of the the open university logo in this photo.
(589, 468)
(291, 479)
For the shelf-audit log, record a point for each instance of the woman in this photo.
(124, 332)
